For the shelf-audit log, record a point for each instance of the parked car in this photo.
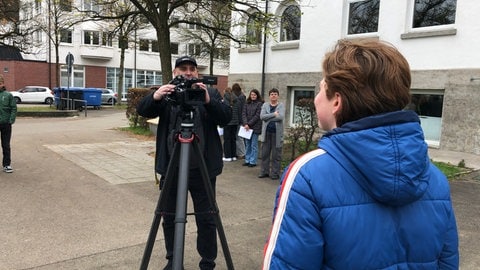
(109, 96)
(34, 94)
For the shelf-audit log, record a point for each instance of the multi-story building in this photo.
(95, 52)
(438, 38)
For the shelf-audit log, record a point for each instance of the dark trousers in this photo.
(6, 135)
(230, 141)
(271, 153)
(204, 218)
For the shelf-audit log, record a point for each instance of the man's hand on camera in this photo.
(204, 87)
(162, 91)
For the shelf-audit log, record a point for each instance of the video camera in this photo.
(184, 94)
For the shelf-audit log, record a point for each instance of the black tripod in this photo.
(185, 142)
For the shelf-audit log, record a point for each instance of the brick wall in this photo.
(95, 77)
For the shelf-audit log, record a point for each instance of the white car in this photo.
(34, 94)
(109, 96)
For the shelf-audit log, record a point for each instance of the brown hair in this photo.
(237, 90)
(273, 90)
(371, 76)
(259, 97)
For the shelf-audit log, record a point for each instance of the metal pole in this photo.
(264, 53)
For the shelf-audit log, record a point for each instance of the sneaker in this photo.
(8, 169)
(227, 159)
(234, 158)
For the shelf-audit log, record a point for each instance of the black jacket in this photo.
(209, 116)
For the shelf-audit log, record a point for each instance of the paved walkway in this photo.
(115, 162)
(82, 197)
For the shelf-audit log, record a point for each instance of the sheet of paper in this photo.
(247, 134)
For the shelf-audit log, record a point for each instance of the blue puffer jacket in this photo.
(369, 198)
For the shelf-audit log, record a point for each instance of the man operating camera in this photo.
(207, 116)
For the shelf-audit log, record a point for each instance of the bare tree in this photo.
(211, 43)
(161, 14)
(16, 27)
(56, 23)
(122, 19)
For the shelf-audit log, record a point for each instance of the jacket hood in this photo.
(386, 154)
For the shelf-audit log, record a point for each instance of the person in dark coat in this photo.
(207, 116)
(230, 131)
(237, 90)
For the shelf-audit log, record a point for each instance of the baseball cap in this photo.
(185, 59)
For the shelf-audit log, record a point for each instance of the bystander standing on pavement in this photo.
(251, 121)
(8, 113)
(230, 130)
(272, 116)
(237, 90)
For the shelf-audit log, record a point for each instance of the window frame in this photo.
(431, 125)
(253, 32)
(66, 5)
(91, 5)
(293, 100)
(346, 20)
(68, 38)
(92, 36)
(283, 37)
(77, 76)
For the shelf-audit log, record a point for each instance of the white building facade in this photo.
(438, 38)
(97, 54)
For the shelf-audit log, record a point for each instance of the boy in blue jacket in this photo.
(369, 197)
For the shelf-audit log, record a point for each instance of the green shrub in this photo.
(134, 95)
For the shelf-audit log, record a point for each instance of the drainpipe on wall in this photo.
(264, 52)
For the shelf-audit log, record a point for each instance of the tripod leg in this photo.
(162, 199)
(181, 206)
(213, 203)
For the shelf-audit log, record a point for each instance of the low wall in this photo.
(63, 113)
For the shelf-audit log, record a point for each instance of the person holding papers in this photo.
(251, 121)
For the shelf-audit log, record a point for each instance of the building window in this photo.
(38, 36)
(363, 16)
(91, 37)
(66, 36)
(112, 80)
(254, 31)
(301, 114)
(222, 53)
(143, 45)
(147, 78)
(65, 5)
(194, 26)
(174, 48)
(429, 107)
(194, 49)
(434, 12)
(91, 5)
(38, 7)
(106, 39)
(77, 79)
(290, 23)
